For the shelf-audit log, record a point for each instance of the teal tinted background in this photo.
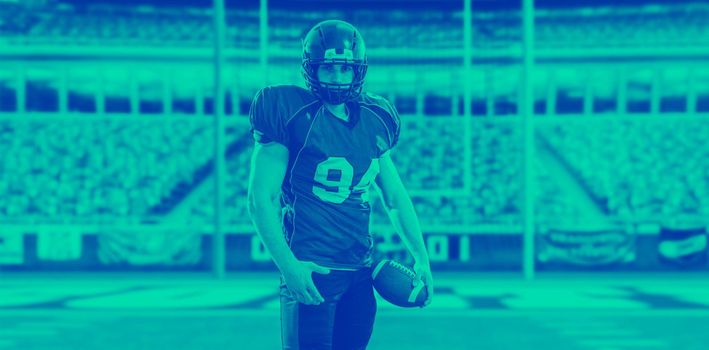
(107, 145)
(108, 126)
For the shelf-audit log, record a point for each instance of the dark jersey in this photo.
(332, 163)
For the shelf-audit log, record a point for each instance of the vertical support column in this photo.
(167, 93)
(588, 95)
(420, 96)
(21, 89)
(655, 91)
(63, 91)
(100, 97)
(455, 102)
(551, 94)
(622, 106)
(691, 92)
(218, 243)
(529, 156)
(467, 96)
(199, 100)
(490, 98)
(263, 40)
(235, 109)
(134, 95)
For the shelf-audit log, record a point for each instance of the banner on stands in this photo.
(59, 244)
(579, 247)
(12, 247)
(156, 247)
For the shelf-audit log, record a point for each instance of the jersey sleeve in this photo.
(393, 124)
(396, 123)
(267, 122)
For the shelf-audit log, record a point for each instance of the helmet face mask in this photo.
(336, 43)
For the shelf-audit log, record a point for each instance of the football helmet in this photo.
(334, 42)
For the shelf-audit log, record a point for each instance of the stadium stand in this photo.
(96, 168)
(637, 168)
(658, 171)
(668, 25)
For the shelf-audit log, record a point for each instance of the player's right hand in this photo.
(299, 281)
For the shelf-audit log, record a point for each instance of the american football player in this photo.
(317, 151)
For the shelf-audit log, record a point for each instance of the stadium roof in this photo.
(478, 4)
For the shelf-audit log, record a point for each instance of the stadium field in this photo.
(631, 311)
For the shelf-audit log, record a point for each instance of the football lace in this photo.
(403, 269)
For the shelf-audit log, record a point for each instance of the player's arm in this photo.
(402, 214)
(268, 167)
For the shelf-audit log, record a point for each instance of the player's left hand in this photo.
(423, 275)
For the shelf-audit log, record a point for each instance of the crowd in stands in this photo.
(433, 150)
(90, 169)
(236, 184)
(111, 168)
(641, 168)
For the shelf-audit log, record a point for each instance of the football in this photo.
(394, 282)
